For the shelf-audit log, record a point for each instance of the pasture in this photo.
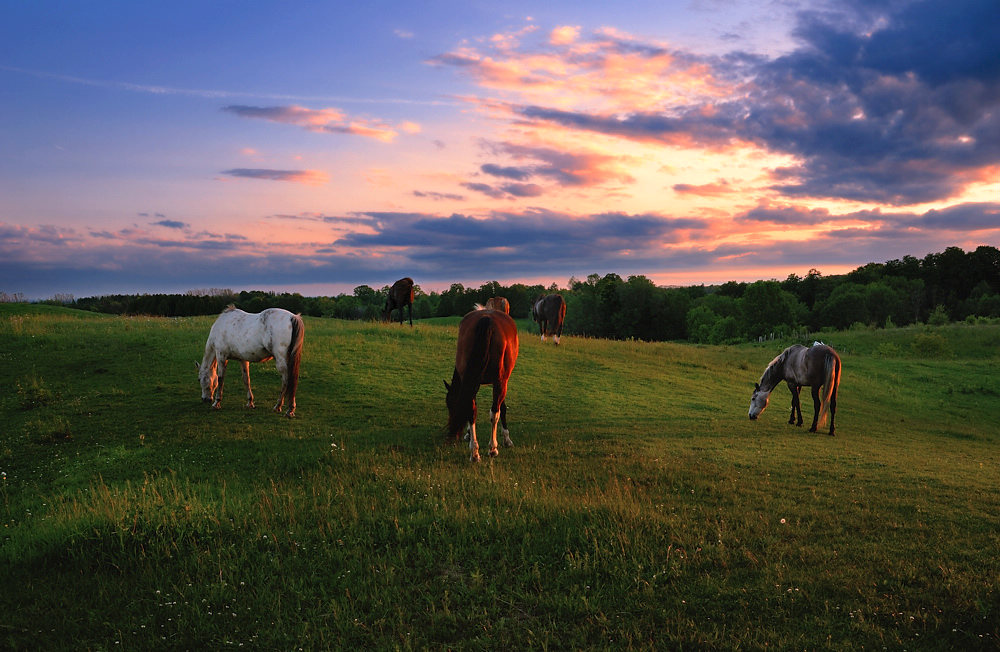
(639, 507)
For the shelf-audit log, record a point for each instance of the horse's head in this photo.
(758, 401)
(459, 410)
(208, 378)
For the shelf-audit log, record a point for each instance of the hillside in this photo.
(639, 507)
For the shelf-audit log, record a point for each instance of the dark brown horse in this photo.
(486, 353)
(400, 295)
(815, 366)
(549, 311)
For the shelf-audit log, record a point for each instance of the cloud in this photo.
(329, 120)
(786, 215)
(518, 174)
(891, 102)
(368, 247)
(171, 224)
(307, 177)
(438, 196)
(721, 187)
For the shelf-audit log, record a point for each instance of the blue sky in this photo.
(316, 146)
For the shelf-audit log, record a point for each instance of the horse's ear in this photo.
(197, 365)
(756, 387)
(447, 386)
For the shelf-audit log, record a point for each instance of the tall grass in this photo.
(639, 507)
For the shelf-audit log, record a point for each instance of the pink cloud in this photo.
(328, 120)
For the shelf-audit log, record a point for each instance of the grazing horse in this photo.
(498, 303)
(486, 353)
(400, 295)
(248, 337)
(549, 311)
(815, 366)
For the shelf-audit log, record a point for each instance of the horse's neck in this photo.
(774, 374)
(209, 358)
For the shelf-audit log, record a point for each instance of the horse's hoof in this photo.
(494, 452)
(290, 414)
(217, 406)
(474, 457)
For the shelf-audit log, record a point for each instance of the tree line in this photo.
(948, 286)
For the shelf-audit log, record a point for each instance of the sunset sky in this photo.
(316, 146)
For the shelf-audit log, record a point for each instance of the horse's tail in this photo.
(479, 356)
(294, 355)
(831, 380)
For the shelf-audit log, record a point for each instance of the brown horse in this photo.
(815, 366)
(549, 311)
(400, 295)
(486, 353)
(498, 303)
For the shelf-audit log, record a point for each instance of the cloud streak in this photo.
(307, 177)
(331, 121)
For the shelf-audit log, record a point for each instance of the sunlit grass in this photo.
(639, 506)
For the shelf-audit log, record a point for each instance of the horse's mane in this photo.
(478, 306)
(231, 307)
(775, 371)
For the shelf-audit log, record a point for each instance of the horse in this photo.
(815, 366)
(549, 311)
(252, 337)
(400, 295)
(498, 303)
(485, 354)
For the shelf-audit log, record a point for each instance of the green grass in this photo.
(639, 507)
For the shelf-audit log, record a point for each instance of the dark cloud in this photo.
(437, 196)
(963, 217)
(509, 172)
(721, 187)
(787, 215)
(296, 176)
(890, 102)
(171, 224)
(485, 189)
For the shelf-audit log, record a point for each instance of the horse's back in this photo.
(252, 336)
(813, 363)
(490, 335)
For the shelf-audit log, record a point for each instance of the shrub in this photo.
(938, 316)
(930, 345)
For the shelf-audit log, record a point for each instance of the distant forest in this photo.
(949, 286)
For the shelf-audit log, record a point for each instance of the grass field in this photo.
(639, 507)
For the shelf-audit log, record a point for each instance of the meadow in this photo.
(639, 507)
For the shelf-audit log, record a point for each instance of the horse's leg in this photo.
(282, 367)
(411, 313)
(794, 389)
(473, 442)
(503, 421)
(221, 366)
(541, 327)
(291, 396)
(245, 366)
(816, 404)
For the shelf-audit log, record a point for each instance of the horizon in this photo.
(163, 149)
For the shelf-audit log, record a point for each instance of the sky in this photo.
(316, 146)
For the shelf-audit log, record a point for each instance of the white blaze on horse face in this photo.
(209, 381)
(758, 402)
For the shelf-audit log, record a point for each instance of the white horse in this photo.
(237, 335)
